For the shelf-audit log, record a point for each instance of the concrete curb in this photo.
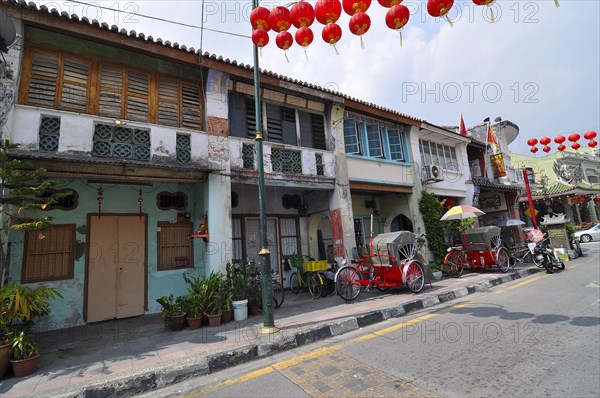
(147, 380)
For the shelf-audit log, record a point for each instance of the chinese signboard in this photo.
(498, 165)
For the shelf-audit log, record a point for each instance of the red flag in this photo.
(462, 129)
(491, 137)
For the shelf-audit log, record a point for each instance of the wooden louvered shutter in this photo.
(168, 102)
(137, 96)
(318, 131)
(237, 115)
(111, 91)
(191, 112)
(274, 123)
(251, 117)
(75, 84)
(44, 76)
(50, 258)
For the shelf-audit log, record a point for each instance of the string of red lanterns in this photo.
(559, 140)
(327, 12)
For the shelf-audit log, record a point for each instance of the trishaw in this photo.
(481, 249)
(390, 263)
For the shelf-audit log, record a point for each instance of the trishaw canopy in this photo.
(392, 243)
(476, 236)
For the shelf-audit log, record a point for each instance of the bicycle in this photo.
(522, 253)
(310, 279)
(278, 291)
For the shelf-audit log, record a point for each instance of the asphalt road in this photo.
(538, 337)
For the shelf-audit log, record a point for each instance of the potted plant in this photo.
(5, 343)
(25, 353)
(167, 303)
(213, 299)
(196, 300)
(19, 306)
(254, 298)
(172, 311)
(225, 291)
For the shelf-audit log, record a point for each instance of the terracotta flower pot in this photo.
(254, 310)
(194, 323)
(5, 355)
(227, 316)
(24, 367)
(214, 320)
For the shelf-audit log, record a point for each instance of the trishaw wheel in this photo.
(294, 283)
(453, 264)
(347, 282)
(502, 259)
(415, 276)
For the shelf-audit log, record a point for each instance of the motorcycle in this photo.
(544, 252)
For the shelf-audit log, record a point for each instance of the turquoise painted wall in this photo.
(68, 312)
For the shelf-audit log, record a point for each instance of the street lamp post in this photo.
(264, 253)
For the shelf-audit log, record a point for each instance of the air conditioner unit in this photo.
(432, 173)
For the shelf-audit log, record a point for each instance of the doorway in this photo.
(116, 267)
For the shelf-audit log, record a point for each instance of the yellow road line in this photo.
(325, 351)
(516, 285)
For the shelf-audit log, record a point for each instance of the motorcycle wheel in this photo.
(560, 264)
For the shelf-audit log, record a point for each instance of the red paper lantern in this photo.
(284, 40)
(559, 139)
(389, 3)
(440, 8)
(546, 149)
(596, 200)
(545, 141)
(328, 11)
(397, 17)
(532, 141)
(332, 33)
(359, 23)
(279, 19)
(592, 144)
(590, 135)
(561, 147)
(302, 14)
(574, 137)
(533, 149)
(304, 36)
(581, 199)
(259, 18)
(260, 38)
(351, 7)
(576, 146)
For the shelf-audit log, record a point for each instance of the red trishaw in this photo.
(481, 249)
(390, 263)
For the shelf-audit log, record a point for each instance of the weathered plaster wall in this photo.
(117, 199)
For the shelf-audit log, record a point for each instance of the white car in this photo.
(590, 234)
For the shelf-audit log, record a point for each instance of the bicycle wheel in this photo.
(315, 285)
(453, 263)
(294, 283)
(347, 282)
(278, 293)
(502, 259)
(324, 291)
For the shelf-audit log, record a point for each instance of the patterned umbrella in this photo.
(461, 212)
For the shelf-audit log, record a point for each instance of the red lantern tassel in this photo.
(305, 53)
(556, 3)
(492, 12)
(449, 21)
(335, 48)
(140, 200)
(400, 31)
(362, 43)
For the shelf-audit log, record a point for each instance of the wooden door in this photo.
(116, 267)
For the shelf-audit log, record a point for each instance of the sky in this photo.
(536, 64)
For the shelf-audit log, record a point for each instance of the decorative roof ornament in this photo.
(569, 174)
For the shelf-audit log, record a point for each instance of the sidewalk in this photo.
(130, 356)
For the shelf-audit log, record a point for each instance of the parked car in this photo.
(590, 234)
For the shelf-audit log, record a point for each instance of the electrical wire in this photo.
(202, 28)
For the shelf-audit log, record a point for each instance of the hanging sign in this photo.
(498, 167)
